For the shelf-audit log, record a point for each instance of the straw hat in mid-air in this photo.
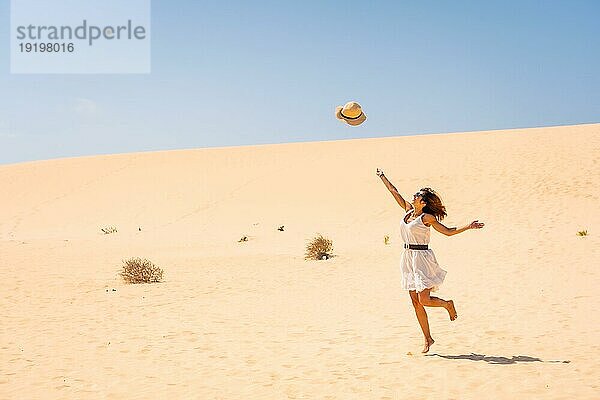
(351, 113)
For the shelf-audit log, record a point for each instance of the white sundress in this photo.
(420, 269)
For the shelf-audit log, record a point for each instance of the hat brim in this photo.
(353, 122)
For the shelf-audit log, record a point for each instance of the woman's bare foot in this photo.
(428, 343)
(451, 310)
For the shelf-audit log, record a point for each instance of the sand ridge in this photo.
(254, 319)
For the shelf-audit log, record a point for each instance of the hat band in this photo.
(343, 116)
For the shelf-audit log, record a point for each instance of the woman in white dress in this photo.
(421, 273)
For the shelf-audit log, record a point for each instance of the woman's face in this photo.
(418, 199)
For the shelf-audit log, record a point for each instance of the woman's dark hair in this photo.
(434, 203)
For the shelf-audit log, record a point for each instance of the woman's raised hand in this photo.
(379, 172)
(476, 225)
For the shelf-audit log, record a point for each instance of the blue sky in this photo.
(242, 72)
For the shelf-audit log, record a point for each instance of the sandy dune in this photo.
(254, 320)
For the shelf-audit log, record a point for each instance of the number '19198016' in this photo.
(47, 47)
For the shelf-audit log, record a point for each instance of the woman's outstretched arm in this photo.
(430, 220)
(403, 203)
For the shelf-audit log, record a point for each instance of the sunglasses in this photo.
(418, 194)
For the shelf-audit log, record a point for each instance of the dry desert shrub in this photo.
(108, 230)
(582, 233)
(140, 270)
(320, 248)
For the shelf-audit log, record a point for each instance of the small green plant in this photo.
(108, 230)
(140, 270)
(386, 239)
(320, 248)
(582, 233)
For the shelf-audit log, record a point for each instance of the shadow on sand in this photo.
(495, 359)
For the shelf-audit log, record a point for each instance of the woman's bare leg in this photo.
(427, 300)
(422, 318)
